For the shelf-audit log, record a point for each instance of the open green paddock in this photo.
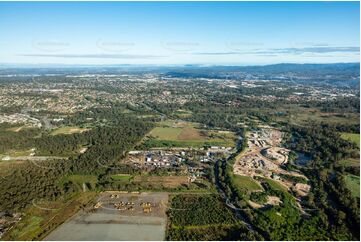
(353, 184)
(246, 183)
(186, 134)
(354, 138)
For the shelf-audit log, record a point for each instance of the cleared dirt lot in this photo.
(262, 161)
(106, 221)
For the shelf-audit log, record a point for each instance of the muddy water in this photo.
(302, 159)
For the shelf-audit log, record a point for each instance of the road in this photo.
(237, 211)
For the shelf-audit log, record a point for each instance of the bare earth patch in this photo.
(190, 134)
(273, 200)
(302, 189)
(254, 205)
(82, 150)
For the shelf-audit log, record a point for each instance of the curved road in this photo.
(223, 195)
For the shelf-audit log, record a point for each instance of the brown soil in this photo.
(190, 134)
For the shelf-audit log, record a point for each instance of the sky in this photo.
(172, 33)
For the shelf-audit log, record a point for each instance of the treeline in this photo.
(349, 128)
(111, 116)
(342, 105)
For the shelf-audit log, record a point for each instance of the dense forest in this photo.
(338, 208)
(204, 217)
(333, 213)
(106, 145)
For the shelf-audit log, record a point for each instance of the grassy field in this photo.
(68, 130)
(177, 124)
(171, 133)
(122, 177)
(355, 138)
(246, 183)
(183, 113)
(275, 185)
(145, 116)
(353, 183)
(20, 152)
(80, 179)
(166, 133)
(302, 115)
(33, 223)
(44, 216)
(162, 181)
(196, 144)
(171, 183)
(349, 162)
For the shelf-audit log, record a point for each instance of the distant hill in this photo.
(339, 74)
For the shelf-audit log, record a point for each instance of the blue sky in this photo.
(224, 33)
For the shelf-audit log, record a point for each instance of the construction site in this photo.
(265, 157)
(118, 215)
(132, 204)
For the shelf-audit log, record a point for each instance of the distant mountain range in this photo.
(339, 74)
